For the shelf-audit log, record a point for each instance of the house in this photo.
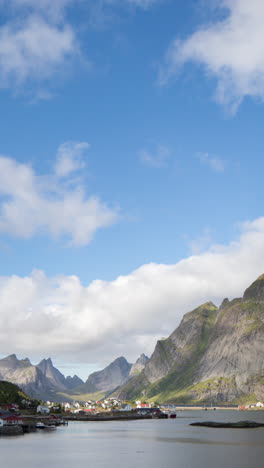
(259, 405)
(12, 420)
(1, 422)
(126, 407)
(143, 405)
(43, 409)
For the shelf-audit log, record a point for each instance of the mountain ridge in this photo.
(225, 363)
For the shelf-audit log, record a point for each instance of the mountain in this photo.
(43, 381)
(108, 379)
(215, 355)
(73, 382)
(27, 376)
(55, 378)
(139, 365)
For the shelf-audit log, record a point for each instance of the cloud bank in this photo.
(53, 204)
(102, 320)
(231, 50)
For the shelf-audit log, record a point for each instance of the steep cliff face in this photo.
(55, 378)
(173, 356)
(182, 343)
(213, 356)
(236, 349)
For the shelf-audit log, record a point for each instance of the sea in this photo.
(157, 443)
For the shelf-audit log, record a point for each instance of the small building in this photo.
(12, 420)
(125, 407)
(143, 405)
(259, 405)
(42, 409)
(1, 422)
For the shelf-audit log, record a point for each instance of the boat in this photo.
(40, 425)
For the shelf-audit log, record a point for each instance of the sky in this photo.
(131, 170)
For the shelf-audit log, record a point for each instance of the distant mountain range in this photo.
(42, 381)
(216, 355)
(45, 382)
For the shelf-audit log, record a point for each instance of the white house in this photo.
(1, 422)
(259, 405)
(43, 409)
(126, 407)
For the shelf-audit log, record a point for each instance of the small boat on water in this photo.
(173, 415)
(40, 425)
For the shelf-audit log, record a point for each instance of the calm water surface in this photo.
(150, 443)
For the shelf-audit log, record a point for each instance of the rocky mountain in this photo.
(139, 365)
(55, 378)
(108, 379)
(73, 382)
(27, 376)
(215, 355)
(41, 382)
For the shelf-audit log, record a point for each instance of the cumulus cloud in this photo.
(31, 204)
(231, 50)
(214, 162)
(102, 320)
(157, 159)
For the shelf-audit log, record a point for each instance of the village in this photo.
(15, 420)
(48, 415)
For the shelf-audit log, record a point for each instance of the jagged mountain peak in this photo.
(225, 303)
(11, 357)
(255, 292)
(139, 365)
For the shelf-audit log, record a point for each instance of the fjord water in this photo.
(149, 443)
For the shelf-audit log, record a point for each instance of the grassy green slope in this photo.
(11, 393)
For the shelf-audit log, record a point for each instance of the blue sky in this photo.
(131, 170)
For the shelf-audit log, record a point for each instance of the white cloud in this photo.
(33, 50)
(70, 158)
(157, 159)
(31, 203)
(38, 41)
(60, 316)
(231, 50)
(214, 162)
